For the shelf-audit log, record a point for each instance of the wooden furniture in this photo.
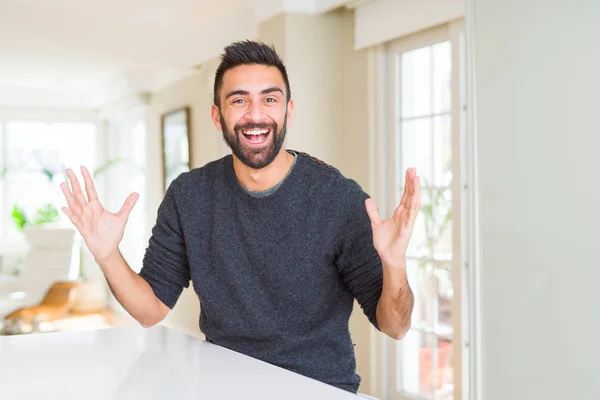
(57, 302)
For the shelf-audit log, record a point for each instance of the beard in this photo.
(253, 157)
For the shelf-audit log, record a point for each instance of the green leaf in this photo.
(46, 215)
(106, 166)
(449, 216)
(18, 217)
(49, 174)
(427, 210)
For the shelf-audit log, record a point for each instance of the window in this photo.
(34, 155)
(424, 131)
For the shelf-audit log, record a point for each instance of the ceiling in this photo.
(73, 53)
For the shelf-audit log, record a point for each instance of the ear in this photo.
(290, 108)
(216, 117)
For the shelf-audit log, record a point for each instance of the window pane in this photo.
(75, 144)
(442, 64)
(445, 294)
(21, 136)
(444, 382)
(38, 154)
(416, 82)
(3, 208)
(442, 148)
(421, 281)
(428, 366)
(418, 244)
(416, 353)
(440, 221)
(432, 233)
(416, 148)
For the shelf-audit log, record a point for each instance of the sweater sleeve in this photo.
(357, 260)
(165, 266)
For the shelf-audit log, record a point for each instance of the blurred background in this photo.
(493, 102)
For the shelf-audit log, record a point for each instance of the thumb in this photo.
(372, 211)
(128, 206)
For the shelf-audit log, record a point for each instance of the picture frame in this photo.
(176, 144)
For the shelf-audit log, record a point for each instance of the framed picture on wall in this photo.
(176, 143)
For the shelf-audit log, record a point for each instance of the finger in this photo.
(400, 210)
(372, 211)
(415, 202)
(406, 194)
(77, 192)
(128, 206)
(411, 173)
(74, 219)
(407, 189)
(71, 201)
(90, 188)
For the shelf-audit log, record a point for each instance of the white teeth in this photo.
(255, 132)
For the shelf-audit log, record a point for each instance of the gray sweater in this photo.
(276, 275)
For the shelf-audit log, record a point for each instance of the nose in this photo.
(255, 111)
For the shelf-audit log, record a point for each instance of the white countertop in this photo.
(137, 363)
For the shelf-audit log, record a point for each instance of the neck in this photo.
(259, 180)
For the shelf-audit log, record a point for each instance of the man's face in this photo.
(254, 113)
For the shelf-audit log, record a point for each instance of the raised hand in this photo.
(102, 231)
(391, 237)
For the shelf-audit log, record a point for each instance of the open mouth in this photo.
(256, 136)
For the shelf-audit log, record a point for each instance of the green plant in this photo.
(19, 217)
(106, 166)
(435, 223)
(48, 213)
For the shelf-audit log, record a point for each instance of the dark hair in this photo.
(248, 52)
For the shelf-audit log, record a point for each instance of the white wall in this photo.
(379, 21)
(310, 46)
(537, 64)
(196, 93)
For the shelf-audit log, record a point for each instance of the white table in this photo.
(137, 363)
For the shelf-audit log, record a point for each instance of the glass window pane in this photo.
(420, 277)
(442, 64)
(416, 82)
(418, 244)
(418, 355)
(445, 294)
(427, 213)
(416, 148)
(21, 136)
(427, 361)
(441, 223)
(444, 377)
(75, 145)
(442, 150)
(38, 154)
(2, 187)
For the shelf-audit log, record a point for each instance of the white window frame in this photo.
(386, 146)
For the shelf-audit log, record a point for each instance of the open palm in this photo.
(391, 237)
(101, 230)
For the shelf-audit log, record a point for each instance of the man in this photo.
(277, 243)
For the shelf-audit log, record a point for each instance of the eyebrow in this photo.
(246, 93)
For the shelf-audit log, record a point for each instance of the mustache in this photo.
(260, 125)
